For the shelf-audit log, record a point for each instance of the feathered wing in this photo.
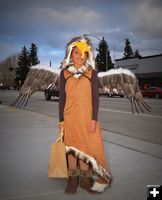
(39, 78)
(125, 82)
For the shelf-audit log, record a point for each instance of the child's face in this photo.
(76, 57)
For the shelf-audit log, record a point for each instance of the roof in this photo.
(143, 57)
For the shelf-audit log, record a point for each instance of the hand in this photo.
(61, 126)
(92, 126)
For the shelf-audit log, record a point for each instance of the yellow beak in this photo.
(83, 47)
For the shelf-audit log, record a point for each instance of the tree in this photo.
(24, 64)
(103, 58)
(33, 55)
(7, 71)
(128, 53)
(137, 54)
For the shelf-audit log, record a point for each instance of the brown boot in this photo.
(86, 182)
(73, 182)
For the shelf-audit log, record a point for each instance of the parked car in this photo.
(51, 93)
(115, 95)
(107, 93)
(152, 92)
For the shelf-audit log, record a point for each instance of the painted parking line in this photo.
(130, 113)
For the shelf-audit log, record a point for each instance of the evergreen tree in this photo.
(128, 53)
(33, 54)
(103, 58)
(137, 54)
(24, 65)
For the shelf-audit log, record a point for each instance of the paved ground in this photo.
(25, 140)
(114, 114)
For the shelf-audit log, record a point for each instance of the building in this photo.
(148, 69)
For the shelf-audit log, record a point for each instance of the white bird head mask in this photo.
(84, 44)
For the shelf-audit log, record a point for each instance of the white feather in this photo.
(49, 86)
(44, 67)
(116, 71)
(97, 168)
(99, 187)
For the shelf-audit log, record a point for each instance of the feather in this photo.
(125, 82)
(38, 79)
(96, 167)
(99, 187)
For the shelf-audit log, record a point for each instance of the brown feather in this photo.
(36, 80)
(126, 83)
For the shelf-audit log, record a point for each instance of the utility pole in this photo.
(114, 55)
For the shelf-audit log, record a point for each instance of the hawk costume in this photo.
(79, 101)
(78, 105)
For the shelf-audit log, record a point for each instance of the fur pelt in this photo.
(74, 172)
(96, 167)
(99, 187)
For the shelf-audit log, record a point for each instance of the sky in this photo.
(50, 24)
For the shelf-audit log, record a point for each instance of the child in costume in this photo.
(78, 116)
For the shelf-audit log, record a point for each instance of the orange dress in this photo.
(77, 116)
